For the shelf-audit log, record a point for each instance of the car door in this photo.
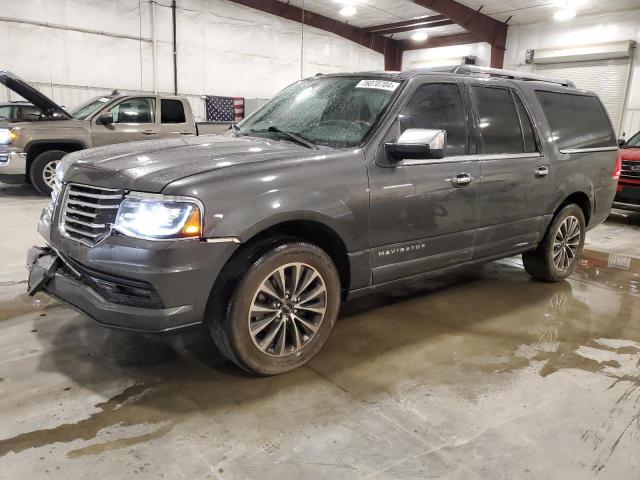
(134, 118)
(173, 119)
(423, 212)
(515, 175)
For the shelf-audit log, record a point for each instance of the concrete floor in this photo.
(482, 375)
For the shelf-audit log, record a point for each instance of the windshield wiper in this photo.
(293, 136)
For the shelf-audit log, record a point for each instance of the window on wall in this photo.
(499, 124)
(135, 110)
(577, 121)
(438, 106)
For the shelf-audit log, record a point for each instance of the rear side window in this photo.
(528, 136)
(577, 121)
(438, 106)
(172, 111)
(498, 121)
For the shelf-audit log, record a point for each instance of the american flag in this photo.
(224, 109)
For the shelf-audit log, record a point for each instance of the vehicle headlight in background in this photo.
(159, 217)
(7, 136)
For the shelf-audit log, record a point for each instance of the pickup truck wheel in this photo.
(556, 258)
(282, 311)
(43, 170)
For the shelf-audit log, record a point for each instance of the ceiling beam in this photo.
(378, 43)
(442, 41)
(423, 26)
(407, 23)
(485, 28)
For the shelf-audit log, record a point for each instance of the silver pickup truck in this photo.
(30, 151)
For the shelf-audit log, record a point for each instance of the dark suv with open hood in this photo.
(340, 186)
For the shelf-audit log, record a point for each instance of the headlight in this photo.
(159, 217)
(6, 136)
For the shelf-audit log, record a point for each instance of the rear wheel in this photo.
(556, 258)
(43, 170)
(282, 311)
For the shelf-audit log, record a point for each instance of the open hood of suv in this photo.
(26, 91)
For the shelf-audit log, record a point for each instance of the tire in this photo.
(40, 170)
(540, 263)
(268, 351)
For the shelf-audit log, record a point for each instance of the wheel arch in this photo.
(582, 200)
(36, 147)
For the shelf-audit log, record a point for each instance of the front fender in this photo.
(273, 207)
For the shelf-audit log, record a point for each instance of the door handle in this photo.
(542, 172)
(461, 180)
(186, 133)
(149, 132)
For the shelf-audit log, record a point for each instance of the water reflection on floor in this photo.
(485, 374)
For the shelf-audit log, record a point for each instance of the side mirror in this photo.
(105, 119)
(621, 142)
(418, 143)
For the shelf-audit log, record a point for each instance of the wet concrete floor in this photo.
(483, 375)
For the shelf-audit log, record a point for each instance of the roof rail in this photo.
(512, 74)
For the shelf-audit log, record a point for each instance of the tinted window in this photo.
(135, 110)
(29, 113)
(528, 136)
(577, 121)
(634, 141)
(498, 121)
(438, 106)
(172, 111)
(5, 112)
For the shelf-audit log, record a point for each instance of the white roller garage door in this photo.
(608, 78)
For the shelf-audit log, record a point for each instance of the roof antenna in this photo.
(115, 92)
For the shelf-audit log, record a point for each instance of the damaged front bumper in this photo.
(111, 300)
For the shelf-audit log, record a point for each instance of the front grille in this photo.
(88, 212)
(630, 169)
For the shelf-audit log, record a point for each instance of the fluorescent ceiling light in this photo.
(420, 36)
(348, 11)
(571, 3)
(564, 14)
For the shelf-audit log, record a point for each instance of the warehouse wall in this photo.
(75, 49)
(583, 31)
(443, 56)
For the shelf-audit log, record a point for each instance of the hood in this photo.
(632, 154)
(48, 107)
(149, 166)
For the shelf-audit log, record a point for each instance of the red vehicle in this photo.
(628, 196)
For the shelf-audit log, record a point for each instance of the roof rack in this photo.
(511, 74)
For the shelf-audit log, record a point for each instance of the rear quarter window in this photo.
(577, 121)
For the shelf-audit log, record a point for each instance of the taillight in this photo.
(618, 169)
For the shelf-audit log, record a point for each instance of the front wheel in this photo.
(43, 170)
(282, 311)
(556, 258)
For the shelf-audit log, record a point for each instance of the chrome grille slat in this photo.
(88, 212)
(67, 228)
(80, 212)
(86, 224)
(90, 205)
(98, 196)
(628, 169)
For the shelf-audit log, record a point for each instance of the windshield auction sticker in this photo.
(378, 84)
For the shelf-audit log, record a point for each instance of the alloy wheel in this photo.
(566, 243)
(49, 173)
(287, 309)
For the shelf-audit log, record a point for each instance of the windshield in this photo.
(85, 109)
(331, 111)
(634, 141)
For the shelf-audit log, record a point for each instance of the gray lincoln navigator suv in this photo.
(340, 186)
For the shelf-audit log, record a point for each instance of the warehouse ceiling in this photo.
(516, 12)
